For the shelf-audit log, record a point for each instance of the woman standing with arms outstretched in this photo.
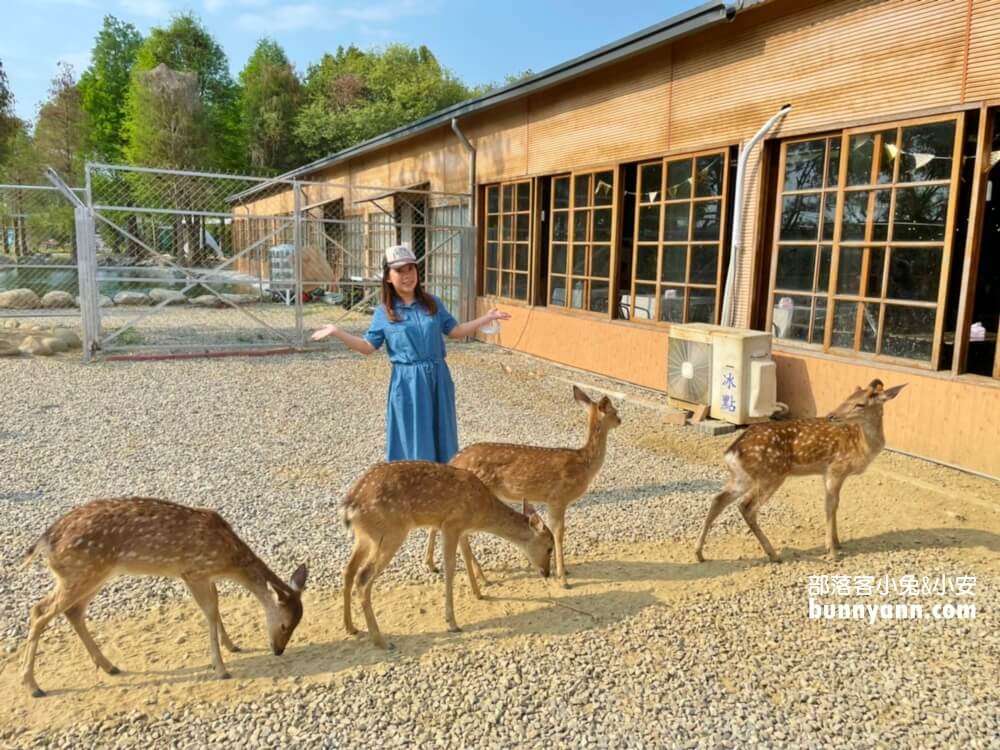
(420, 418)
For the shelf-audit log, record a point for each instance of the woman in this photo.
(420, 420)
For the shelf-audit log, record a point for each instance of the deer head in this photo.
(284, 618)
(602, 414)
(539, 547)
(865, 404)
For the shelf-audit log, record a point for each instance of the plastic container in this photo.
(490, 329)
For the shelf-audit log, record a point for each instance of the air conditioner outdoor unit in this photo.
(729, 370)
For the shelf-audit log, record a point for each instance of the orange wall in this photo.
(952, 420)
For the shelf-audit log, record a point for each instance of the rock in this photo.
(58, 299)
(131, 298)
(242, 299)
(207, 300)
(36, 346)
(11, 324)
(19, 299)
(69, 337)
(55, 344)
(170, 296)
(8, 350)
(104, 301)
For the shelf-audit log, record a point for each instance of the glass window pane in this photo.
(600, 260)
(674, 263)
(557, 291)
(887, 156)
(804, 165)
(524, 196)
(645, 267)
(521, 286)
(920, 214)
(909, 332)
(844, 316)
(576, 298)
(701, 305)
(860, 150)
(927, 152)
(869, 327)
(559, 258)
(580, 220)
(649, 223)
(855, 216)
(704, 264)
(521, 258)
(914, 273)
(603, 189)
(790, 317)
(679, 179)
(506, 284)
(796, 266)
(708, 179)
(491, 228)
(492, 200)
(508, 227)
(675, 228)
(880, 221)
(602, 225)
(491, 282)
(599, 296)
(707, 220)
(581, 186)
(561, 193)
(829, 215)
(651, 182)
(833, 163)
(876, 269)
(522, 227)
(508, 197)
(645, 302)
(579, 260)
(825, 257)
(819, 321)
(849, 271)
(800, 217)
(560, 226)
(491, 255)
(672, 304)
(506, 256)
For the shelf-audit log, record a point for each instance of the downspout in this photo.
(469, 238)
(737, 241)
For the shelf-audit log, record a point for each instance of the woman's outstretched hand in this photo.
(324, 332)
(495, 314)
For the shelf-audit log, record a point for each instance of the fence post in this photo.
(86, 268)
(299, 250)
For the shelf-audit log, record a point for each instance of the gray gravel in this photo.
(273, 443)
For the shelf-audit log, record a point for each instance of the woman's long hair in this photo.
(389, 296)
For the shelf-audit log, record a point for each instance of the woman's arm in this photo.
(471, 326)
(358, 344)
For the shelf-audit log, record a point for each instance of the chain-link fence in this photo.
(176, 260)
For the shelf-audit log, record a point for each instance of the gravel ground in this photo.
(273, 443)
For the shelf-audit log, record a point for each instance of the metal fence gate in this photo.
(174, 261)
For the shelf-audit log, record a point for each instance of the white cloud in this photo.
(296, 17)
(386, 12)
(155, 9)
(320, 16)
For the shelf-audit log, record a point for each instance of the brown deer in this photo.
(391, 499)
(554, 477)
(836, 446)
(144, 536)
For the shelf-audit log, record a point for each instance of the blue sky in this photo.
(479, 41)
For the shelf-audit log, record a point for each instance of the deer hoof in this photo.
(234, 649)
(114, 670)
(225, 676)
(776, 559)
(698, 556)
(37, 693)
(454, 629)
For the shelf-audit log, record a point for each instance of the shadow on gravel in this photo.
(643, 492)
(915, 539)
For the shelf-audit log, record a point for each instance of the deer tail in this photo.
(32, 553)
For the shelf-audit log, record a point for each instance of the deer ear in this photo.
(298, 579)
(604, 404)
(581, 397)
(876, 386)
(890, 393)
(536, 522)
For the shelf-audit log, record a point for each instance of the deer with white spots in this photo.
(843, 443)
(553, 477)
(391, 499)
(103, 539)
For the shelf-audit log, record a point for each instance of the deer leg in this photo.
(227, 642)
(748, 508)
(366, 579)
(558, 530)
(449, 546)
(429, 557)
(77, 618)
(730, 493)
(833, 484)
(470, 566)
(204, 594)
(358, 556)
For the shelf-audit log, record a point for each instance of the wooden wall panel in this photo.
(983, 74)
(501, 140)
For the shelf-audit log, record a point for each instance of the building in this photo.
(867, 236)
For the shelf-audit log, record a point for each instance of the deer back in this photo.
(801, 446)
(525, 472)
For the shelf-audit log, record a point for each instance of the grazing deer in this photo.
(144, 536)
(554, 477)
(391, 499)
(836, 446)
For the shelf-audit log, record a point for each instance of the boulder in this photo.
(207, 300)
(58, 299)
(35, 345)
(55, 344)
(242, 299)
(11, 324)
(131, 298)
(68, 337)
(171, 296)
(8, 350)
(19, 299)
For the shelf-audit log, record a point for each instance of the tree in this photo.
(355, 95)
(270, 98)
(8, 122)
(104, 85)
(60, 131)
(508, 80)
(185, 46)
(166, 125)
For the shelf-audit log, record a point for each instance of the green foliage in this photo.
(355, 95)
(8, 122)
(270, 98)
(104, 85)
(60, 131)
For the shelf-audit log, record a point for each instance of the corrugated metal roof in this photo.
(688, 22)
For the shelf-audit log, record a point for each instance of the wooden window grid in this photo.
(508, 240)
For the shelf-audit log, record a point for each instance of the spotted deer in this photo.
(838, 445)
(554, 477)
(391, 499)
(140, 536)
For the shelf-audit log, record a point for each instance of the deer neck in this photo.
(507, 523)
(873, 434)
(597, 443)
(260, 581)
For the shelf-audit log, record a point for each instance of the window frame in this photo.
(515, 214)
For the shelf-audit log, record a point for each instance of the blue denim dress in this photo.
(420, 422)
